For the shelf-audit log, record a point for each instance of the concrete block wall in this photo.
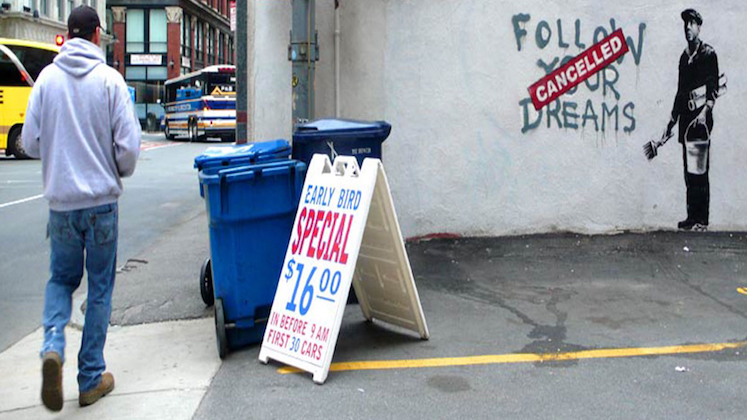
(469, 155)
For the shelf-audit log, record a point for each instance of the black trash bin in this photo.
(334, 137)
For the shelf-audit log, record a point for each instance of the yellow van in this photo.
(20, 64)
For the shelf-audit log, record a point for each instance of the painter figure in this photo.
(697, 90)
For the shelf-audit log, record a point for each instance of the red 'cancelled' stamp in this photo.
(580, 68)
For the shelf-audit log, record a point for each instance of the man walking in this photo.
(697, 91)
(81, 122)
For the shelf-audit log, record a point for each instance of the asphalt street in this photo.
(162, 193)
(490, 302)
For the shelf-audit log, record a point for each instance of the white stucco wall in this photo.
(449, 78)
(271, 75)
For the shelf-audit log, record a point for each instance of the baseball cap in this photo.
(691, 14)
(83, 20)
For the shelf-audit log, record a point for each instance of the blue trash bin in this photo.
(334, 137)
(251, 210)
(215, 159)
(244, 154)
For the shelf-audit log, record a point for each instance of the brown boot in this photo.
(52, 381)
(105, 386)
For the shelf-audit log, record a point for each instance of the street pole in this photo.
(303, 52)
(242, 81)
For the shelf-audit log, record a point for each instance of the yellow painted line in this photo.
(742, 290)
(524, 357)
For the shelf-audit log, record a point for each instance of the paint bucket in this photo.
(697, 143)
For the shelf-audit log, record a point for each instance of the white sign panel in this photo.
(146, 59)
(186, 62)
(327, 248)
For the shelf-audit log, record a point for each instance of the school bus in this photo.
(20, 64)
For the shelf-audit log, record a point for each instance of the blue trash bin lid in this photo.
(243, 154)
(330, 128)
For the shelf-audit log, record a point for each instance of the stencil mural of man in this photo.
(697, 90)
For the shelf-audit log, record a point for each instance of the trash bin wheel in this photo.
(206, 283)
(220, 329)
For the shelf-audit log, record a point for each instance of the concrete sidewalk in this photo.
(161, 371)
(160, 347)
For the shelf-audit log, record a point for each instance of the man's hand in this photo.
(701, 118)
(667, 134)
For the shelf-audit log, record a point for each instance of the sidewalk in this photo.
(160, 371)
(160, 347)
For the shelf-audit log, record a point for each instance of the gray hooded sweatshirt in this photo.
(81, 121)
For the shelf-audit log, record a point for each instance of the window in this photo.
(147, 94)
(198, 42)
(210, 45)
(9, 74)
(146, 73)
(33, 59)
(44, 7)
(221, 48)
(157, 73)
(70, 7)
(135, 30)
(60, 10)
(135, 73)
(109, 19)
(93, 4)
(226, 82)
(230, 51)
(27, 5)
(186, 37)
(157, 31)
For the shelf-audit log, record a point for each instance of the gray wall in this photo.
(463, 156)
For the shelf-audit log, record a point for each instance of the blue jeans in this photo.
(93, 231)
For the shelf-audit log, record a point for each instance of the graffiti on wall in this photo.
(606, 109)
(699, 85)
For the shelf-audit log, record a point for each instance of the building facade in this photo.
(156, 40)
(43, 20)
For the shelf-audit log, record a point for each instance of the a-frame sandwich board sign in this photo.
(345, 231)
